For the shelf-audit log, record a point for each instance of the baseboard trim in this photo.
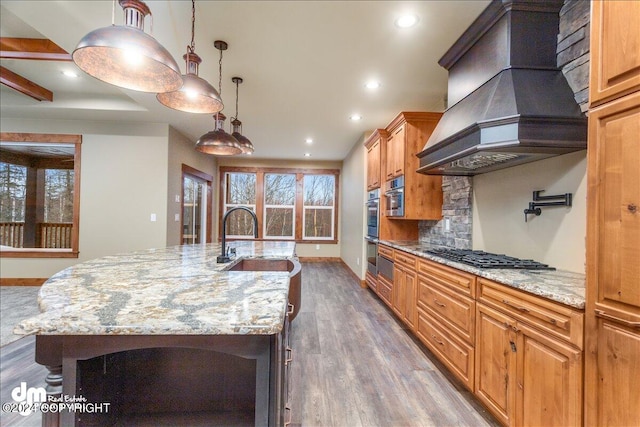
(22, 281)
(319, 259)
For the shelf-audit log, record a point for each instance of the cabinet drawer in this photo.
(448, 277)
(384, 290)
(385, 251)
(455, 311)
(405, 258)
(458, 356)
(371, 280)
(556, 319)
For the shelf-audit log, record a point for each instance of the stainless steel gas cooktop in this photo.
(481, 259)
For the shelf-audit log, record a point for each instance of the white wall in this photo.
(123, 181)
(352, 245)
(182, 151)
(557, 236)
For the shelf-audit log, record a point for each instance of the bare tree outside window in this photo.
(240, 191)
(319, 199)
(279, 204)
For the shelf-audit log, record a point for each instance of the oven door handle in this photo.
(393, 192)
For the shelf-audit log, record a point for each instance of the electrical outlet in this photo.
(357, 261)
(154, 218)
(176, 218)
(177, 198)
(447, 224)
(317, 247)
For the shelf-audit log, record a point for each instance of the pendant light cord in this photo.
(193, 25)
(237, 84)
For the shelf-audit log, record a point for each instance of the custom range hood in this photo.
(509, 102)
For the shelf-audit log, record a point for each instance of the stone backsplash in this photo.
(573, 58)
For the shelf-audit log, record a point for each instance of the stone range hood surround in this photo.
(510, 104)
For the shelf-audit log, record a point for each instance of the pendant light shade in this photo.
(196, 94)
(128, 57)
(218, 142)
(245, 145)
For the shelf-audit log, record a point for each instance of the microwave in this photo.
(394, 197)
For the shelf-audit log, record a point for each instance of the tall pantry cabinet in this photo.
(612, 316)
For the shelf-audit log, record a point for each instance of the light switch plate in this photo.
(176, 218)
(153, 217)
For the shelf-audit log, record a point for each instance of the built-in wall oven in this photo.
(373, 228)
(394, 197)
(373, 213)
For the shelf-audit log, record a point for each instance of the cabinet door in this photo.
(615, 49)
(395, 153)
(410, 291)
(618, 361)
(549, 381)
(614, 209)
(399, 299)
(373, 166)
(496, 363)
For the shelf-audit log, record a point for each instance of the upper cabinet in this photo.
(615, 50)
(373, 145)
(407, 135)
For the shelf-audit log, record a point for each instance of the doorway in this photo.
(196, 206)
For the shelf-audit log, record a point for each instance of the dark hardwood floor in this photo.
(354, 364)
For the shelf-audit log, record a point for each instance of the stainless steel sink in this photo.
(264, 264)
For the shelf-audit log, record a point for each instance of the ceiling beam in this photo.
(38, 49)
(22, 85)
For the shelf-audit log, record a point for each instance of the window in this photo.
(240, 191)
(319, 200)
(279, 205)
(39, 195)
(291, 204)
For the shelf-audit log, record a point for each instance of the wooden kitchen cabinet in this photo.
(407, 135)
(404, 287)
(373, 145)
(524, 374)
(446, 317)
(612, 363)
(394, 165)
(615, 50)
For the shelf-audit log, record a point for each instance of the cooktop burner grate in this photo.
(481, 259)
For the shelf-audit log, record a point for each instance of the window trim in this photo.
(299, 172)
(44, 138)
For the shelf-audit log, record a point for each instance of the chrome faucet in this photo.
(224, 257)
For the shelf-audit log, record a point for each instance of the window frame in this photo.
(299, 201)
(224, 206)
(41, 138)
(333, 217)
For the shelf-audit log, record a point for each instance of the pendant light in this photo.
(218, 142)
(245, 145)
(126, 56)
(196, 94)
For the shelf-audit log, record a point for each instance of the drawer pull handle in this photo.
(436, 340)
(288, 409)
(438, 303)
(523, 309)
(290, 308)
(603, 315)
(289, 357)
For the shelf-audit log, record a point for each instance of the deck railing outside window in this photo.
(51, 234)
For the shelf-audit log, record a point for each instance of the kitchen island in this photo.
(161, 333)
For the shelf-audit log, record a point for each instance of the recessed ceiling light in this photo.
(309, 141)
(372, 85)
(71, 74)
(307, 154)
(406, 21)
(355, 117)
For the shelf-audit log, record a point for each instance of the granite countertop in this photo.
(178, 290)
(560, 286)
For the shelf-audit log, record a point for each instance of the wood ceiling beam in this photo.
(37, 49)
(22, 85)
